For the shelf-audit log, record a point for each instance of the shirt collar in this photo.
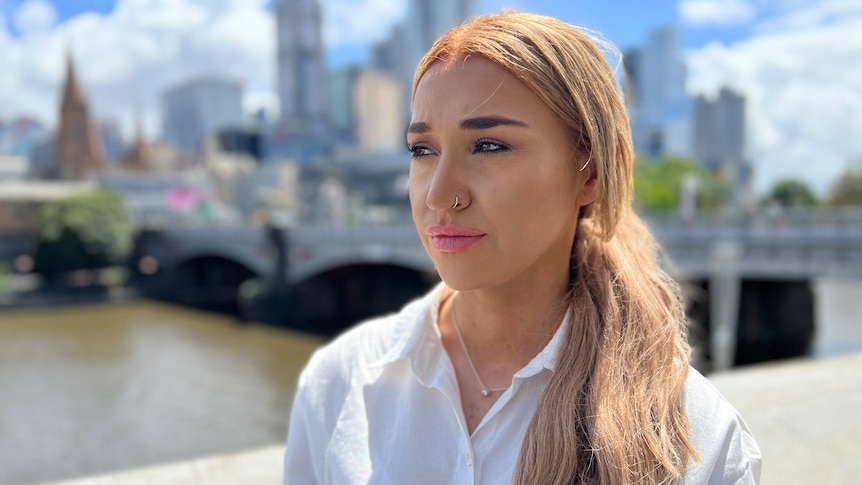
(415, 329)
(550, 355)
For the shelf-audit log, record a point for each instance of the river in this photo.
(838, 313)
(93, 389)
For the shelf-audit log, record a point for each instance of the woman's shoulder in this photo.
(367, 344)
(703, 399)
(727, 449)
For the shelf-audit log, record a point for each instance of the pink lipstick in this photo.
(451, 238)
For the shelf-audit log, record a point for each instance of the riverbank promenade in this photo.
(804, 414)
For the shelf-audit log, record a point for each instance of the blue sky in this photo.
(795, 61)
(625, 22)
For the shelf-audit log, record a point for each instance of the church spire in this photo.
(79, 148)
(139, 157)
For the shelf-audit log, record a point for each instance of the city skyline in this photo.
(794, 61)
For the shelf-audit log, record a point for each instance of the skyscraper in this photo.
(659, 107)
(300, 74)
(719, 130)
(426, 21)
(196, 109)
(719, 141)
(430, 20)
(366, 109)
(79, 149)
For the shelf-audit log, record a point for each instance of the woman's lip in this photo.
(454, 244)
(452, 238)
(453, 230)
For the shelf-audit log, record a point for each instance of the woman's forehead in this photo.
(464, 65)
(465, 86)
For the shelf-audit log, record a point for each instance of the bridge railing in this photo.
(801, 218)
(315, 248)
(798, 244)
(349, 235)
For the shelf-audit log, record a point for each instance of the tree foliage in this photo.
(847, 190)
(658, 184)
(791, 193)
(83, 232)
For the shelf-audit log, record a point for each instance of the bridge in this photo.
(739, 273)
(804, 246)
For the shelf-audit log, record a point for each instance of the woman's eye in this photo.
(417, 151)
(487, 146)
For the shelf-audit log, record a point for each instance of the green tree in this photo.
(791, 193)
(658, 184)
(83, 232)
(847, 190)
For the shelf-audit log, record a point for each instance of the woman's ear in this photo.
(590, 190)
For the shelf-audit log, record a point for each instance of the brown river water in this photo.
(91, 389)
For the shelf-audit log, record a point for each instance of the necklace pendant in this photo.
(486, 391)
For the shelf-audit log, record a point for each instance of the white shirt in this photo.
(380, 405)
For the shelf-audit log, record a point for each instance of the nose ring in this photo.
(457, 202)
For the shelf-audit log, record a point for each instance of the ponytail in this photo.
(612, 413)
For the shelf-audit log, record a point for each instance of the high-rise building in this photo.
(18, 135)
(658, 105)
(79, 149)
(426, 21)
(366, 109)
(388, 54)
(112, 140)
(301, 77)
(43, 158)
(197, 109)
(719, 129)
(719, 141)
(429, 20)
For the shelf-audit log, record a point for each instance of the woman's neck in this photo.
(513, 325)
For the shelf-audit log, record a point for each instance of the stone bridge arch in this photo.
(206, 280)
(302, 268)
(339, 296)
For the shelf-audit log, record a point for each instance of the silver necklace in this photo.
(486, 391)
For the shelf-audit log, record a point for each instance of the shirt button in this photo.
(469, 460)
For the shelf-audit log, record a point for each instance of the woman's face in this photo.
(478, 132)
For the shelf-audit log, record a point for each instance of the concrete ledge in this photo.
(255, 467)
(805, 415)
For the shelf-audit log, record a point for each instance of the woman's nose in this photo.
(447, 182)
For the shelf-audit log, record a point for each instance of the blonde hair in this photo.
(613, 412)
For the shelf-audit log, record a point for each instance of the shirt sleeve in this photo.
(729, 455)
(743, 461)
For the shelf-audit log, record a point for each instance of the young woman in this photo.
(554, 351)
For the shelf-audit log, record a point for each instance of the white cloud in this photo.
(718, 12)
(802, 85)
(802, 14)
(35, 16)
(127, 58)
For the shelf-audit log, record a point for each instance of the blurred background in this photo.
(195, 194)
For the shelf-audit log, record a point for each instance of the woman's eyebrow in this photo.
(478, 123)
(485, 122)
(418, 127)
